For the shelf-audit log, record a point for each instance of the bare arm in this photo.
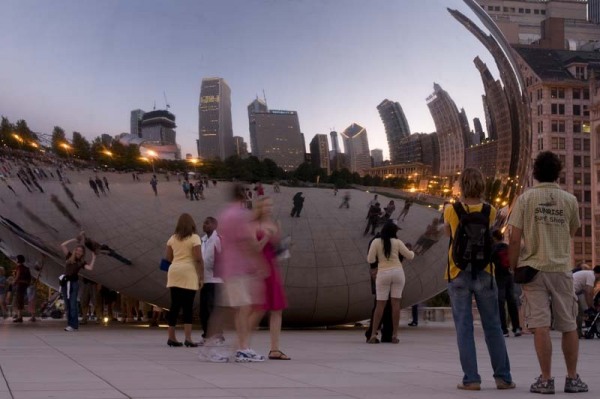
(90, 265)
(514, 247)
(199, 263)
(64, 247)
(589, 295)
(169, 253)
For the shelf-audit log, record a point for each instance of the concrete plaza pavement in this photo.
(40, 360)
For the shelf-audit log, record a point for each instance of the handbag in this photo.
(164, 265)
(525, 274)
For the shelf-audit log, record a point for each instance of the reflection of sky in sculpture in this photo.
(331, 61)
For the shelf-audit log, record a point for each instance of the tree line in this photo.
(113, 154)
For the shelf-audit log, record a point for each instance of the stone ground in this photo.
(40, 360)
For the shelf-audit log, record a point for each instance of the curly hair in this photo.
(546, 167)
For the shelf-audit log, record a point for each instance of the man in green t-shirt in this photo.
(546, 217)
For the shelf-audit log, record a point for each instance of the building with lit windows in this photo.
(555, 24)
(215, 132)
(276, 135)
(559, 91)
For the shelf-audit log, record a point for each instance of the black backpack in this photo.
(472, 242)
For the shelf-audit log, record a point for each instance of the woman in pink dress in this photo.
(274, 295)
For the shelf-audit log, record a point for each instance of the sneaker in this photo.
(469, 386)
(575, 385)
(247, 356)
(69, 328)
(518, 332)
(212, 357)
(501, 384)
(544, 387)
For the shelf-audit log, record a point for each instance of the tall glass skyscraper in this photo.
(356, 145)
(396, 126)
(215, 130)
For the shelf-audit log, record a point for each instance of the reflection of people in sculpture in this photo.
(70, 281)
(70, 194)
(345, 200)
(298, 202)
(96, 247)
(432, 235)
(407, 204)
(390, 276)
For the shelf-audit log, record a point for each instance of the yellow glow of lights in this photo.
(106, 152)
(151, 153)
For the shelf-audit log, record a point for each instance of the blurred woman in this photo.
(185, 276)
(70, 281)
(390, 276)
(268, 235)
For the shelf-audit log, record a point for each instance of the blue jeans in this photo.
(461, 291)
(71, 306)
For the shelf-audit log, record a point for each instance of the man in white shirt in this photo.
(583, 285)
(211, 244)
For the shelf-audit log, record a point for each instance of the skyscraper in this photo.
(335, 145)
(136, 122)
(396, 126)
(214, 122)
(356, 145)
(594, 11)
(449, 126)
(254, 107)
(479, 129)
(499, 114)
(319, 150)
(240, 146)
(377, 156)
(276, 135)
(159, 127)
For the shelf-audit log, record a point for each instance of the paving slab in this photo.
(132, 361)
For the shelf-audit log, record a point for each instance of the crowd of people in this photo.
(236, 272)
(233, 265)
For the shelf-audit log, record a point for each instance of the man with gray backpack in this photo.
(469, 274)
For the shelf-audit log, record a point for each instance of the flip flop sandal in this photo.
(278, 355)
(373, 340)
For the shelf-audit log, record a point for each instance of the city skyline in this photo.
(105, 69)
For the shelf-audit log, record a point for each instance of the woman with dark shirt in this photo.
(70, 281)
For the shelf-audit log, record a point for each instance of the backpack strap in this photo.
(460, 211)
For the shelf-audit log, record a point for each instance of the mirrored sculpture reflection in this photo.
(327, 278)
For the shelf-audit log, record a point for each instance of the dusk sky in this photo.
(84, 65)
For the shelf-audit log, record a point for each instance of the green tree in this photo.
(58, 139)
(81, 147)
(6, 131)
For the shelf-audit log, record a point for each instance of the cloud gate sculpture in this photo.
(327, 278)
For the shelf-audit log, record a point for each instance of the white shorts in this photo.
(240, 291)
(389, 282)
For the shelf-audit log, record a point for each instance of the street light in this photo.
(67, 147)
(151, 155)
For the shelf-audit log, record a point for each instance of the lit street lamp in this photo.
(67, 148)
